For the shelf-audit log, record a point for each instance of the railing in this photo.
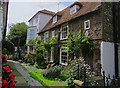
(107, 81)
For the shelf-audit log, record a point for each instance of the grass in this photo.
(37, 75)
(47, 82)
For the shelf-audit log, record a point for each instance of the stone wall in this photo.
(107, 21)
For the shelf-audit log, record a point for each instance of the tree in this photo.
(17, 35)
(9, 46)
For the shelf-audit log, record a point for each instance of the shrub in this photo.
(76, 69)
(29, 58)
(53, 72)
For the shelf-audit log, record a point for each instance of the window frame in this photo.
(55, 18)
(61, 34)
(85, 24)
(75, 8)
(66, 51)
(52, 54)
(53, 33)
(46, 37)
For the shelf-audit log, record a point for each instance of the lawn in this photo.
(47, 83)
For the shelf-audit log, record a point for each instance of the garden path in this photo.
(31, 82)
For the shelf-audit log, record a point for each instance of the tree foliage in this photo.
(18, 33)
(9, 46)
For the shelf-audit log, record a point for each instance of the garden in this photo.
(77, 73)
(57, 75)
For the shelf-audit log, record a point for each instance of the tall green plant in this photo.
(77, 43)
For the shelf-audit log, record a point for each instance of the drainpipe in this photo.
(115, 37)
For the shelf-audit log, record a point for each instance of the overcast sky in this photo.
(20, 11)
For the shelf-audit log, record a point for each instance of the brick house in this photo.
(78, 16)
(99, 21)
(36, 23)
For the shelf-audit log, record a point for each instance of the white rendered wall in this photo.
(43, 20)
(107, 58)
(119, 60)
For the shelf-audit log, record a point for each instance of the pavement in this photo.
(32, 83)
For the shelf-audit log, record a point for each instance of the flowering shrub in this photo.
(78, 69)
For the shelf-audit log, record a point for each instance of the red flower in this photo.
(11, 76)
(6, 69)
(5, 84)
(12, 84)
(4, 57)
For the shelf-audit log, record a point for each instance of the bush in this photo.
(75, 70)
(29, 58)
(53, 72)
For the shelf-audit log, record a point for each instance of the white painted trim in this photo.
(61, 32)
(61, 58)
(85, 24)
(52, 54)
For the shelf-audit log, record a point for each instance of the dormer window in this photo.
(55, 19)
(74, 9)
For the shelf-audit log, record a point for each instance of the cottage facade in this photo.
(100, 21)
(78, 16)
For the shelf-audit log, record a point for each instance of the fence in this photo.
(107, 81)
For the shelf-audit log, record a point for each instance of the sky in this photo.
(23, 10)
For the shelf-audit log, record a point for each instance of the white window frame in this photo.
(61, 34)
(55, 19)
(74, 9)
(32, 33)
(52, 54)
(85, 24)
(53, 33)
(61, 55)
(46, 36)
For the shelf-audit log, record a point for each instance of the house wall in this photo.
(107, 58)
(35, 25)
(95, 32)
(43, 20)
(40, 20)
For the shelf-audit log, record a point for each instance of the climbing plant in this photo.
(78, 43)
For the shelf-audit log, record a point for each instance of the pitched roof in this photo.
(86, 7)
(45, 12)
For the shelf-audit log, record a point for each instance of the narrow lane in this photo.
(31, 82)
